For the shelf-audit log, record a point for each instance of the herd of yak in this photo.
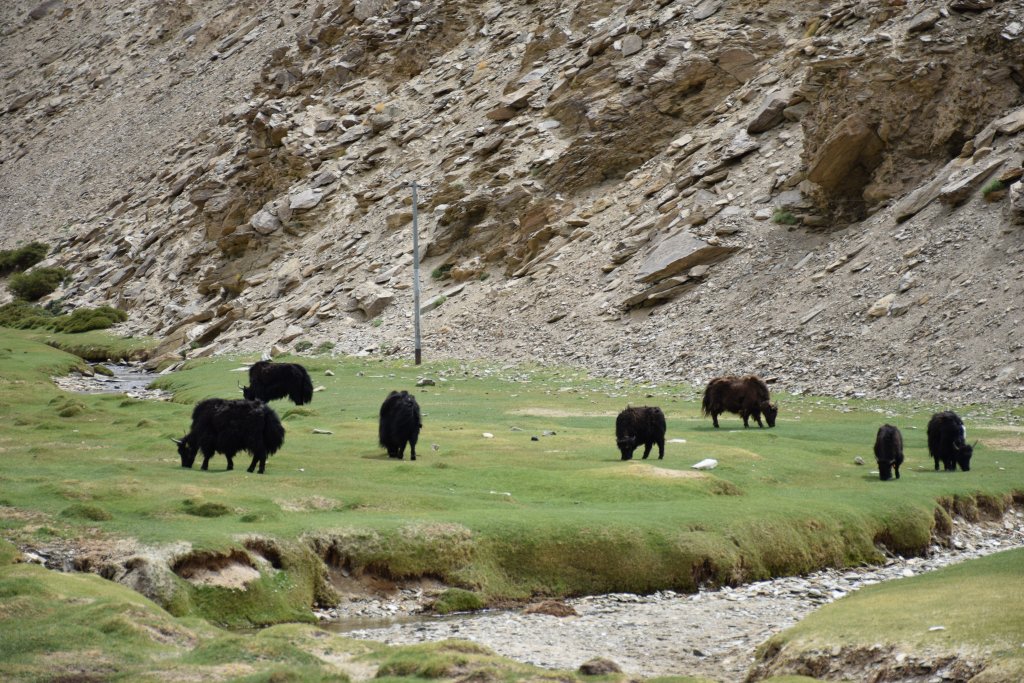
(229, 426)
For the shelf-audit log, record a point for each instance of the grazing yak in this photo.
(644, 425)
(888, 452)
(947, 442)
(269, 381)
(746, 395)
(400, 423)
(230, 426)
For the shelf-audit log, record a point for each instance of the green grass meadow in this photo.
(525, 494)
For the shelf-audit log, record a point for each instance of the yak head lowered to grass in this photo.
(642, 425)
(230, 426)
(748, 396)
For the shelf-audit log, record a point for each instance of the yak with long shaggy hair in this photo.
(748, 396)
(947, 442)
(400, 424)
(269, 381)
(888, 452)
(642, 425)
(229, 426)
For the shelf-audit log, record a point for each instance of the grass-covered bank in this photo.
(79, 627)
(504, 516)
(962, 622)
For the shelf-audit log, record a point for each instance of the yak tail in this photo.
(273, 432)
(705, 405)
(306, 395)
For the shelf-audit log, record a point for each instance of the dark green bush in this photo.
(23, 315)
(36, 284)
(14, 260)
(85, 319)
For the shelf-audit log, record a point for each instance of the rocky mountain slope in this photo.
(653, 190)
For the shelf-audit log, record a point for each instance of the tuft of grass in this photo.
(205, 509)
(991, 187)
(457, 600)
(442, 272)
(90, 512)
(303, 345)
(34, 285)
(784, 217)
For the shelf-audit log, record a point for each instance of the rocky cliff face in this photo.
(650, 189)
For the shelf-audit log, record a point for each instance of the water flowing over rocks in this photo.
(711, 633)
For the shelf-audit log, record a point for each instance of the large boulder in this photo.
(677, 253)
(372, 299)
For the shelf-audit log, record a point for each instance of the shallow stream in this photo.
(712, 633)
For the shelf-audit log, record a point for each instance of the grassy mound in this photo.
(965, 621)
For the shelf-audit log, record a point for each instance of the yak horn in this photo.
(177, 441)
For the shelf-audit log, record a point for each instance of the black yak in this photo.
(400, 423)
(888, 452)
(644, 425)
(947, 442)
(746, 395)
(269, 381)
(230, 426)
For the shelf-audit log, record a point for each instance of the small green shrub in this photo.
(85, 319)
(457, 600)
(994, 185)
(784, 217)
(16, 260)
(377, 322)
(326, 347)
(484, 275)
(303, 346)
(23, 316)
(90, 512)
(441, 272)
(36, 284)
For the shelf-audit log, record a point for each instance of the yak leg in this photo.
(207, 454)
(714, 419)
(661, 449)
(412, 449)
(746, 416)
(647, 448)
(231, 460)
(896, 469)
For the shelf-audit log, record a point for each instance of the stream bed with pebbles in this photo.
(712, 633)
